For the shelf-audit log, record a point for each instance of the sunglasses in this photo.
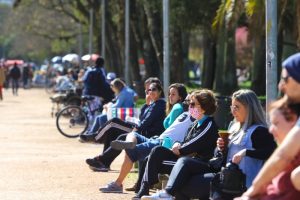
(285, 78)
(235, 108)
(152, 89)
(186, 102)
(193, 104)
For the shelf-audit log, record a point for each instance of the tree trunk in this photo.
(220, 60)
(177, 66)
(155, 29)
(114, 58)
(226, 81)
(143, 41)
(209, 61)
(229, 73)
(258, 77)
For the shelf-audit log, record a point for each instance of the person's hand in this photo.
(175, 148)
(220, 144)
(148, 99)
(254, 192)
(238, 156)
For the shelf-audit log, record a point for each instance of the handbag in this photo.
(217, 161)
(230, 182)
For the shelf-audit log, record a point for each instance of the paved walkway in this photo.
(38, 163)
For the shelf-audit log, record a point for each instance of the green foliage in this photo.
(245, 85)
(140, 102)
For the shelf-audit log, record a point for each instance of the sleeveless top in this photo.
(249, 166)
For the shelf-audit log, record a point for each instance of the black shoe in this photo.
(143, 191)
(96, 165)
(120, 145)
(86, 138)
(132, 188)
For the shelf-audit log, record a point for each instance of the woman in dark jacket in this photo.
(151, 124)
(199, 142)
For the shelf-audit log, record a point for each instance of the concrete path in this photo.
(38, 163)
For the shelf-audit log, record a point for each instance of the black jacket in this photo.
(200, 141)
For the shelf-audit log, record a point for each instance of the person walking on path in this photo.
(2, 80)
(15, 75)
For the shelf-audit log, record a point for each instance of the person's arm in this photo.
(175, 112)
(263, 146)
(277, 163)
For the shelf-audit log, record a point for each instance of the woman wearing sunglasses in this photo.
(199, 141)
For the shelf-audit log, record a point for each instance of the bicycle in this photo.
(74, 120)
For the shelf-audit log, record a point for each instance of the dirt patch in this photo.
(39, 163)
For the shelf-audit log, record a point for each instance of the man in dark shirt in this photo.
(15, 75)
(95, 83)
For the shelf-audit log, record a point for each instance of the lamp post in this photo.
(166, 59)
(127, 41)
(271, 50)
(103, 30)
(91, 11)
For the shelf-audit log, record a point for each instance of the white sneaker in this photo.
(159, 195)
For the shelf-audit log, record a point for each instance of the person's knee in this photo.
(295, 178)
(122, 137)
(158, 150)
(131, 137)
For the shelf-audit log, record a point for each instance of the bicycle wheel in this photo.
(72, 121)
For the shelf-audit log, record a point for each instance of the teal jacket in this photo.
(175, 112)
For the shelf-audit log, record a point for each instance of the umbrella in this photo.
(88, 57)
(56, 59)
(72, 58)
(12, 62)
(58, 67)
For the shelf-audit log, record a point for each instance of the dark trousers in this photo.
(198, 187)
(160, 161)
(15, 86)
(183, 171)
(111, 130)
(110, 154)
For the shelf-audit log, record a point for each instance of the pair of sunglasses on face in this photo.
(151, 90)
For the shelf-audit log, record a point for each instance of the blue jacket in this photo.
(152, 118)
(125, 99)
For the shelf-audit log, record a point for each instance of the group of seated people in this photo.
(179, 138)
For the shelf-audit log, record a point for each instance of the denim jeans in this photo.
(98, 123)
(143, 148)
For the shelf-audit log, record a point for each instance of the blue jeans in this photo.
(143, 147)
(98, 123)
